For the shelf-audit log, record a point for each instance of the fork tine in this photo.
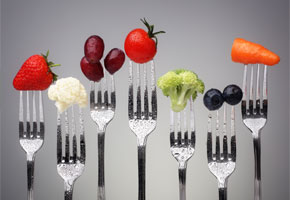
(131, 92)
(265, 92)
(41, 117)
(34, 122)
(153, 92)
(82, 138)
(138, 111)
(257, 109)
(251, 100)
(209, 139)
(99, 93)
(106, 98)
(66, 137)
(74, 138)
(92, 95)
(172, 130)
(113, 93)
(192, 125)
(21, 125)
(146, 106)
(185, 128)
(27, 115)
(217, 147)
(59, 139)
(244, 100)
(225, 138)
(233, 135)
(179, 138)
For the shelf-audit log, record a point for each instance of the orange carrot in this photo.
(247, 52)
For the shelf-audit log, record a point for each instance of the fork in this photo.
(31, 140)
(182, 149)
(102, 112)
(222, 165)
(254, 117)
(142, 121)
(70, 165)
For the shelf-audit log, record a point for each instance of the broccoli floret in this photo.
(180, 85)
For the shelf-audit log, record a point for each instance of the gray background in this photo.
(199, 35)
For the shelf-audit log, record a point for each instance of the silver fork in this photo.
(31, 140)
(182, 149)
(254, 117)
(142, 121)
(222, 165)
(70, 165)
(102, 112)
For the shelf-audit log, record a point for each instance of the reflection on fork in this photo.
(70, 165)
(221, 164)
(142, 121)
(182, 148)
(254, 116)
(31, 140)
(102, 112)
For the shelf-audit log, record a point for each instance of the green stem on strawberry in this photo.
(150, 28)
(50, 65)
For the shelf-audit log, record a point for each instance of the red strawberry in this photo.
(114, 60)
(35, 74)
(139, 44)
(93, 71)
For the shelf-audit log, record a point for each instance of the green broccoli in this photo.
(179, 85)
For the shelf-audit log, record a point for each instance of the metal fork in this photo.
(70, 165)
(222, 165)
(254, 117)
(31, 140)
(142, 121)
(182, 149)
(102, 112)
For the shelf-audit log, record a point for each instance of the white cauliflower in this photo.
(66, 92)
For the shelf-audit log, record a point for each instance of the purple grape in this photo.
(94, 48)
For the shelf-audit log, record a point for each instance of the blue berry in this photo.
(232, 94)
(213, 99)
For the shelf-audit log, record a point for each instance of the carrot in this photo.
(247, 52)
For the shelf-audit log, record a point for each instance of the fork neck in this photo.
(182, 165)
(256, 134)
(222, 183)
(102, 129)
(30, 156)
(141, 141)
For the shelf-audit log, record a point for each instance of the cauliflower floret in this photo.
(66, 92)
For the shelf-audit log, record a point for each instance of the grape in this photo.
(94, 48)
(114, 60)
(93, 71)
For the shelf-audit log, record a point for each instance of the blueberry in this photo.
(213, 99)
(233, 94)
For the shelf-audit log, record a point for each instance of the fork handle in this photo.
(182, 182)
(30, 175)
(223, 193)
(257, 153)
(101, 167)
(141, 171)
(68, 191)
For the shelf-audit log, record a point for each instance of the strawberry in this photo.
(93, 71)
(35, 74)
(141, 46)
